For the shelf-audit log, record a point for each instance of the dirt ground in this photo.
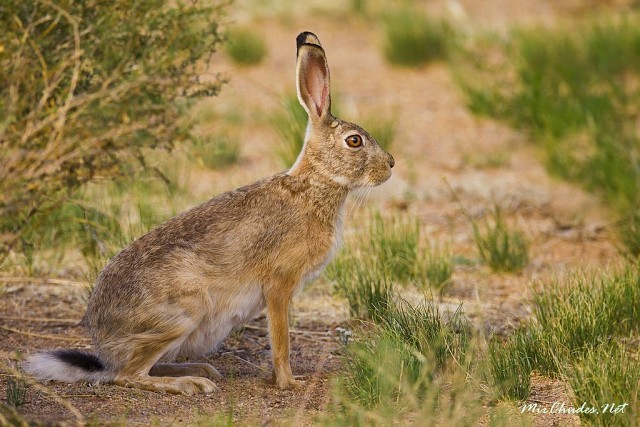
(437, 137)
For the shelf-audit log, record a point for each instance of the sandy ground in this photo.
(438, 142)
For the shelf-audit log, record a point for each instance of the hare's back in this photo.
(216, 238)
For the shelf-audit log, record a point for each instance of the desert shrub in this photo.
(85, 87)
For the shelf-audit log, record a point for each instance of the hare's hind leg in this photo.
(204, 370)
(144, 351)
(176, 385)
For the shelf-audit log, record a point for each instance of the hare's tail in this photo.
(67, 366)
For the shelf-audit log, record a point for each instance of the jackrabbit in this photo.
(179, 290)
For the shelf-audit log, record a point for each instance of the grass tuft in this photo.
(245, 47)
(367, 289)
(607, 378)
(510, 368)
(395, 245)
(438, 268)
(413, 39)
(215, 152)
(502, 248)
(390, 253)
(290, 122)
(405, 352)
(629, 233)
(16, 392)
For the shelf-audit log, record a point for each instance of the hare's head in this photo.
(337, 150)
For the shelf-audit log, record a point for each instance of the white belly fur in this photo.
(229, 309)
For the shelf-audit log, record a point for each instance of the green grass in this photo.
(629, 232)
(409, 346)
(574, 90)
(16, 392)
(493, 160)
(503, 248)
(585, 331)
(415, 366)
(216, 152)
(510, 370)
(245, 46)
(389, 252)
(607, 378)
(395, 245)
(365, 287)
(290, 123)
(411, 38)
(437, 268)
(358, 7)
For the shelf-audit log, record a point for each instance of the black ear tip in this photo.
(307, 37)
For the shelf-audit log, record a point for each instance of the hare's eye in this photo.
(354, 141)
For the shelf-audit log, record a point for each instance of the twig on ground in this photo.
(41, 319)
(293, 331)
(41, 281)
(51, 337)
(229, 353)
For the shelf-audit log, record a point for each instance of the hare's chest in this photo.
(323, 255)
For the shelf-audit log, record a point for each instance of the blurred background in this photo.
(515, 125)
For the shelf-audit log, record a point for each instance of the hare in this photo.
(179, 290)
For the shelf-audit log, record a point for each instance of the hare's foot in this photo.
(204, 370)
(176, 385)
(285, 382)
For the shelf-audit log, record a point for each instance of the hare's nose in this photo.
(391, 161)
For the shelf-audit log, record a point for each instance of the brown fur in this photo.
(179, 289)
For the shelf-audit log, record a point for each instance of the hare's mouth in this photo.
(386, 178)
(378, 178)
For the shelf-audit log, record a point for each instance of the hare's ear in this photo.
(312, 75)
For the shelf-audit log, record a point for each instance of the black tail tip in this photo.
(307, 37)
(82, 359)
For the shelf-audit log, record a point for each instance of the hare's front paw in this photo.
(290, 383)
(285, 382)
